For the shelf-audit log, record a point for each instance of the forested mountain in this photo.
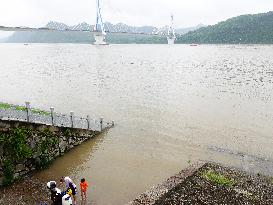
(80, 37)
(243, 29)
(126, 34)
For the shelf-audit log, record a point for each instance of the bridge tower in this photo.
(99, 31)
(171, 33)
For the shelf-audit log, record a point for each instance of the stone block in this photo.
(77, 143)
(70, 141)
(16, 175)
(56, 154)
(20, 168)
(62, 145)
(4, 126)
(36, 154)
(33, 143)
(23, 173)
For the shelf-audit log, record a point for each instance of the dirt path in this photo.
(30, 191)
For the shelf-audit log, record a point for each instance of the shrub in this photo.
(17, 143)
(8, 172)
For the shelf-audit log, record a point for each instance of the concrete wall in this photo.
(46, 143)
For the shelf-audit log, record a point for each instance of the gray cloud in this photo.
(36, 13)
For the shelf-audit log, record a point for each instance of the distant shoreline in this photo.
(189, 44)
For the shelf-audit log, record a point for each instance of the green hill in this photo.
(257, 29)
(65, 34)
(79, 37)
(245, 29)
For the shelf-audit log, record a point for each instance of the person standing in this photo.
(83, 186)
(70, 185)
(56, 194)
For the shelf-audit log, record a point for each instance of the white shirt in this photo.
(67, 180)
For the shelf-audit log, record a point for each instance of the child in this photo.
(83, 186)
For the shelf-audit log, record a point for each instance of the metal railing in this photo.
(26, 114)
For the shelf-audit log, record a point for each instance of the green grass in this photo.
(5, 106)
(217, 178)
(23, 108)
(41, 112)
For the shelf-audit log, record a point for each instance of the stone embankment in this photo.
(30, 139)
(210, 183)
(25, 146)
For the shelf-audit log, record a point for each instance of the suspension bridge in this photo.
(4, 28)
(99, 30)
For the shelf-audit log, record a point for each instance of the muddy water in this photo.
(172, 105)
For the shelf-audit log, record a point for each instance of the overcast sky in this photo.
(36, 13)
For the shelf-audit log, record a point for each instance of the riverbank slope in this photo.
(210, 183)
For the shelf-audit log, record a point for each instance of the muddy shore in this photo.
(191, 186)
(29, 191)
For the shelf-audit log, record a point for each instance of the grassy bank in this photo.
(22, 108)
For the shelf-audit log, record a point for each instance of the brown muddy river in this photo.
(172, 105)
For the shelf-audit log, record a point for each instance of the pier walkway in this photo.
(28, 114)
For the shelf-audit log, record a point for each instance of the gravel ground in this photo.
(226, 185)
(197, 189)
(30, 191)
(189, 187)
